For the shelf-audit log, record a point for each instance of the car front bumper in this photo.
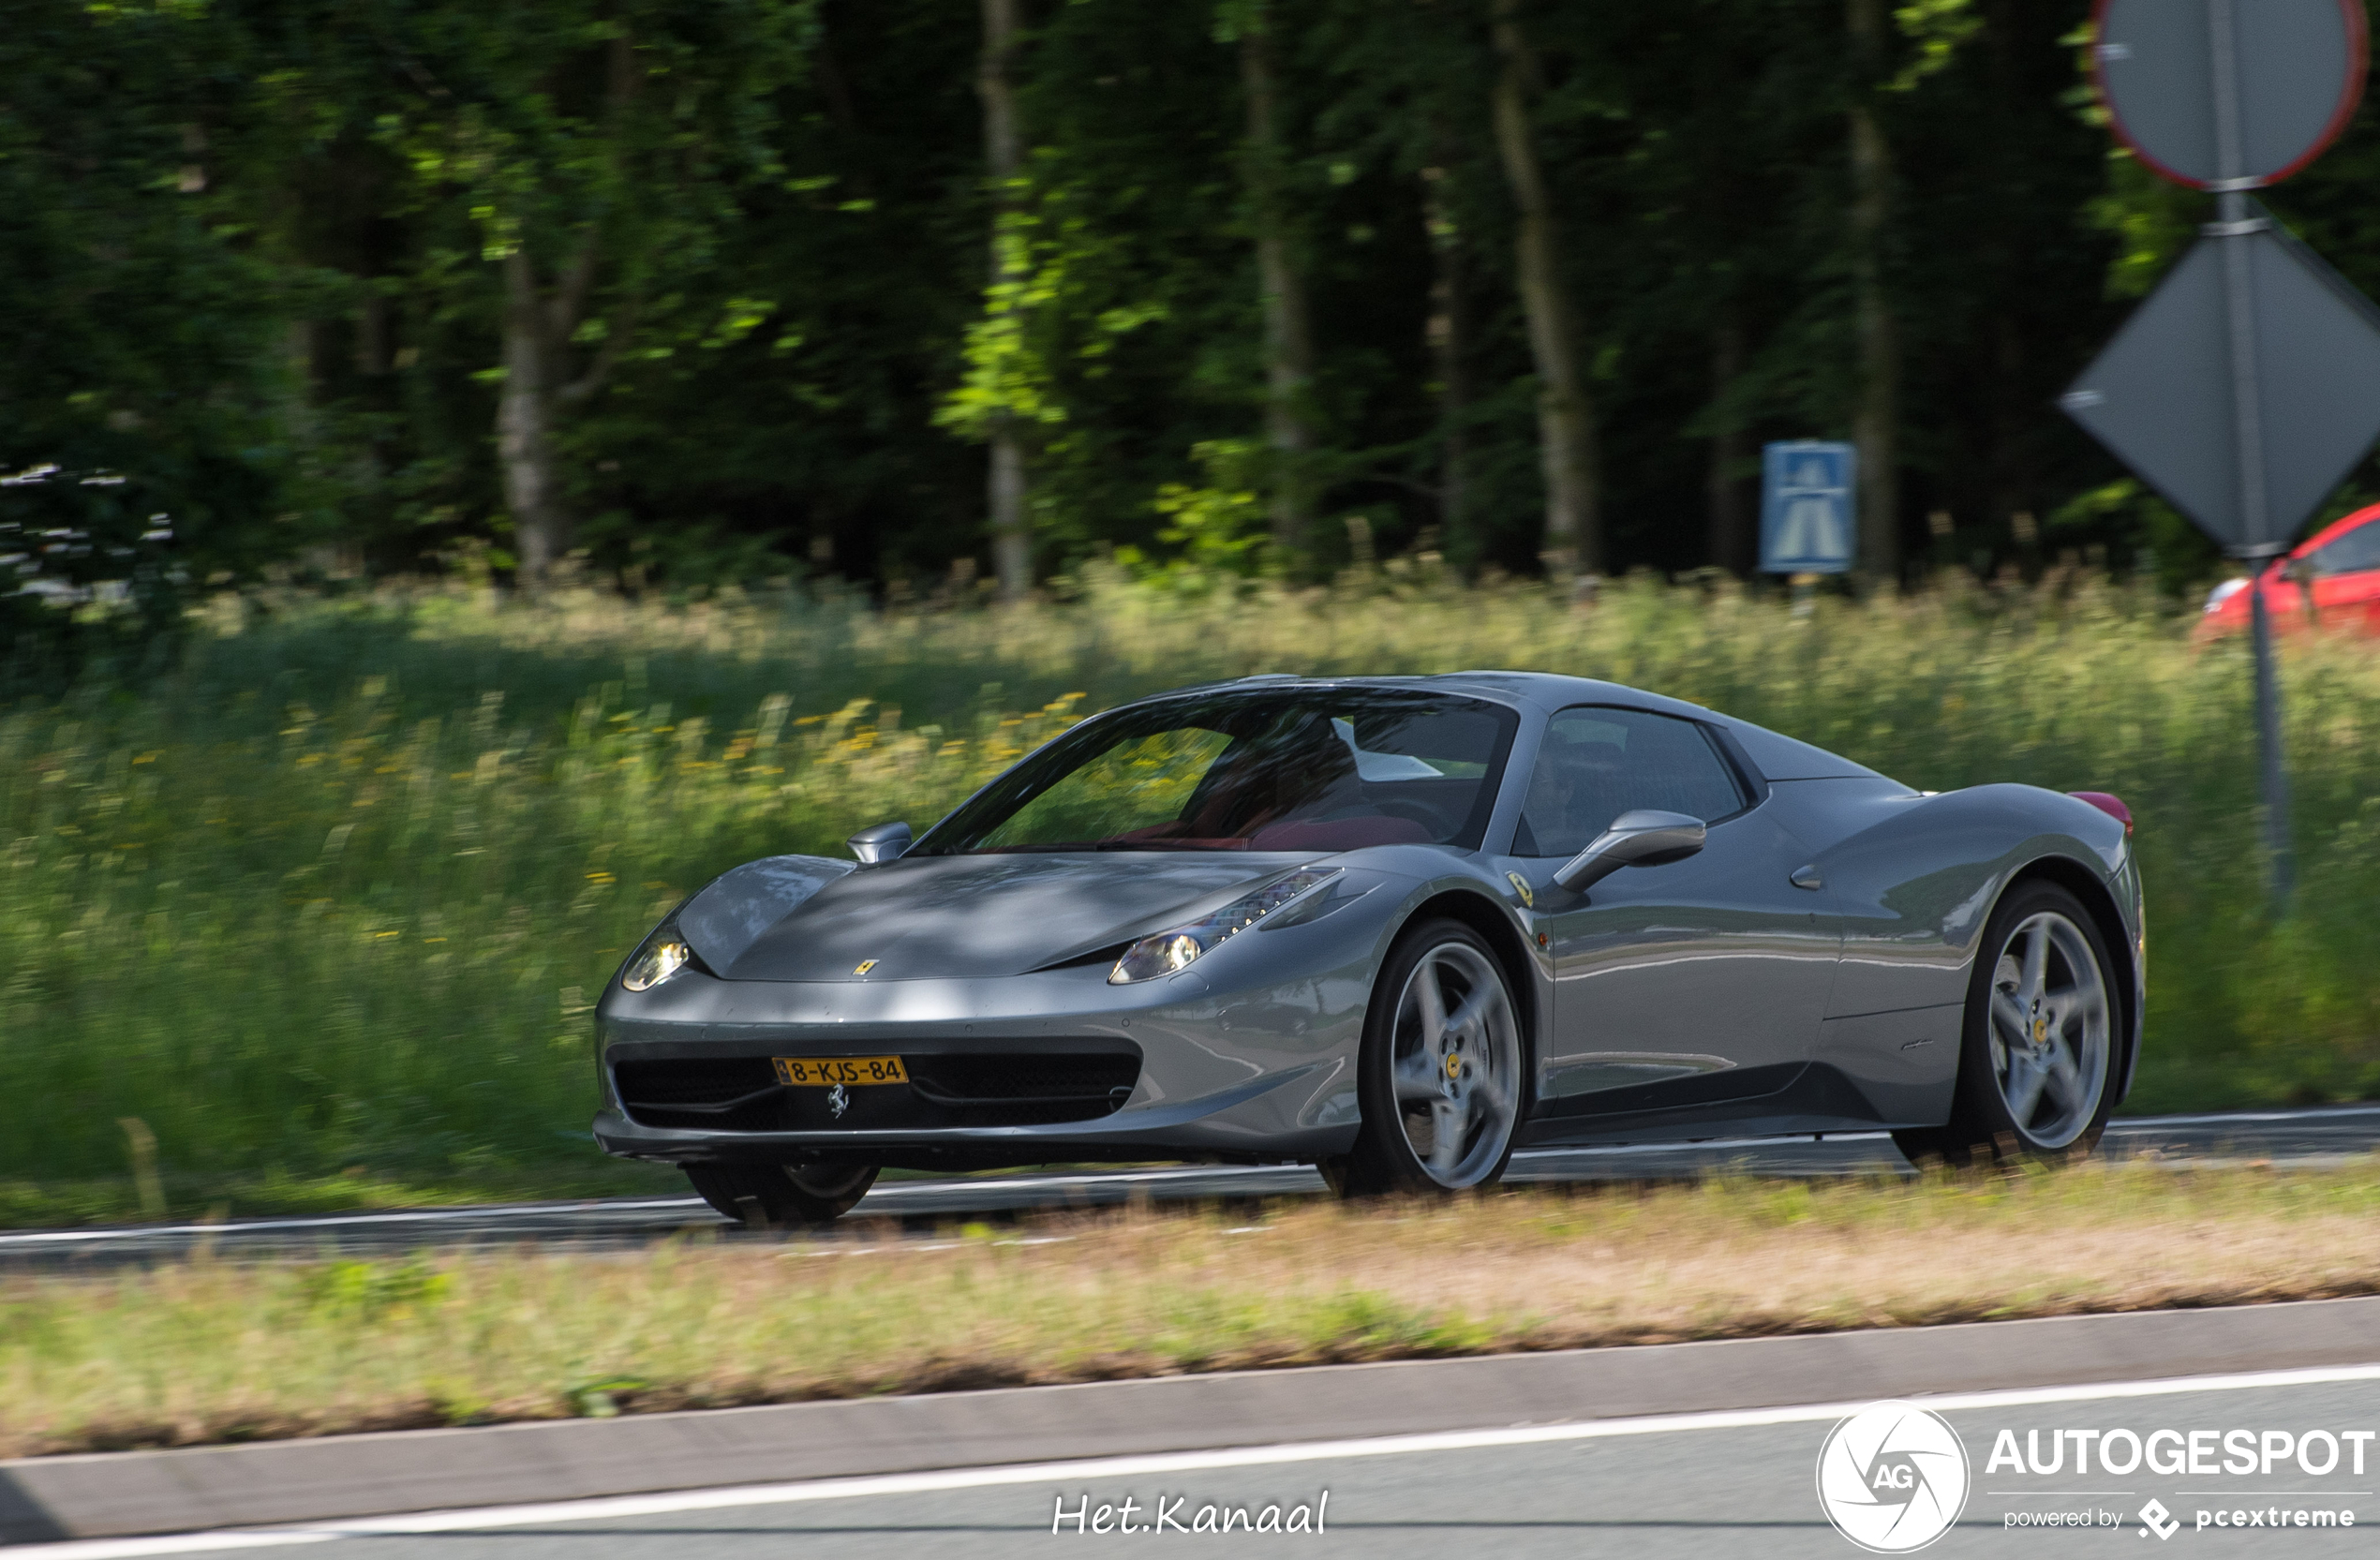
(1263, 1069)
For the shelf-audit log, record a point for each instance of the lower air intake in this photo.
(970, 1089)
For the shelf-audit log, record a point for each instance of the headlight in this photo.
(1169, 951)
(662, 955)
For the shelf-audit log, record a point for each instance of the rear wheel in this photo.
(1441, 1074)
(775, 1194)
(2037, 1049)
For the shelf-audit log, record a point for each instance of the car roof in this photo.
(2338, 528)
(1777, 756)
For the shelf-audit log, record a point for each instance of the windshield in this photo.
(2351, 552)
(1320, 769)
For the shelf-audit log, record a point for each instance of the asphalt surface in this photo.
(1715, 1484)
(2305, 1138)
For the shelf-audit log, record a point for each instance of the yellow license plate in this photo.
(818, 1071)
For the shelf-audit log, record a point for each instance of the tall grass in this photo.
(326, 907)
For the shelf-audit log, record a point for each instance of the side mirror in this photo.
(885, 843)
(1643, 838)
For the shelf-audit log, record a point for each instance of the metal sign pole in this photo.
(2276, 776)
(2233, 225)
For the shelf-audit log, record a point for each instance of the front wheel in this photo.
(1440, 1076)
(789, 1195)
(2037, 1049)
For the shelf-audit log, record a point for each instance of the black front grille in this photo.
(719, 1093)
(1035, 1077)
(977, 1089)
(705, 1082)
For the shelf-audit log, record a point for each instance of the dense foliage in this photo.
(326, 904)
(724, 291)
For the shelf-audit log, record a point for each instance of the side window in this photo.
(2353, 553)
(1597, 764)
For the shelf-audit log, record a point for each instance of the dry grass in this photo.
(215, 1351)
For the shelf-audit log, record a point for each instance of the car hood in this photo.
(953, 917)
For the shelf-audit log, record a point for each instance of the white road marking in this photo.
(2303, 1114)
(612, 1508)
(887, 1196)
(423, 1215)
(2300, 1162)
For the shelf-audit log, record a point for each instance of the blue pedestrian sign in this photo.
(1808, 490)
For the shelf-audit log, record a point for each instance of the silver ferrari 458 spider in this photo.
(1393, 926)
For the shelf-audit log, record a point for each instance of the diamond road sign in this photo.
(1806, 493)
(2160, 396)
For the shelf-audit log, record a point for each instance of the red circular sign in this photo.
(2296, 69)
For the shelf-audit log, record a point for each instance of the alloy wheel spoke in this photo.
(1417, 1077)
(2026, 1077)
(2009, 1015)
(1447, 1121)
(1431, 1001)
(2036, 962)
(2063, 1080)
(1475, 1007)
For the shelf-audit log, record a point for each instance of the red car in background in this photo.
(2338, 567)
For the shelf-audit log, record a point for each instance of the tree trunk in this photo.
(1566, 417)
(1875, 421)
(372, 336)
(525, 428)
(537, 330)
(1447, 335)
(1288, 341)
(2013, 459)
(1730, 545)
(1008, 492)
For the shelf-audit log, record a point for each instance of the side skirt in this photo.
(1808, 1097)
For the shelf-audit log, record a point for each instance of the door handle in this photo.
(1807, 877)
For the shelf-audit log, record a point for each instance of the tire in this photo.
(1417, 1076)
(2038, 1046)
(788, 1195)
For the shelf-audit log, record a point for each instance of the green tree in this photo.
(141, 338)
(596, 149)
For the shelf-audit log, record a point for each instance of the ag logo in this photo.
(1892, 1477)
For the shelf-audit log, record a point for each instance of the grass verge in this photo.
(327, 904)
(214, 1351)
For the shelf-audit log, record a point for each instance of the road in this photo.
(2305, 1138)
(1683, 1487)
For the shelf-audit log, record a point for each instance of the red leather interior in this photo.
(1339, 833)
